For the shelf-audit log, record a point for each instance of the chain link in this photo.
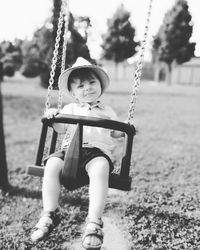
(55, 56)
(64, 48)
(65, 35)
(138, 71)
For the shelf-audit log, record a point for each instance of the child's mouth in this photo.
(89, 94)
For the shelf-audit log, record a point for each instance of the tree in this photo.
(4, 184)
(32, 58)
(77, 43)
(43, 43)
(10, 56)
(172, 42)
(118, 42)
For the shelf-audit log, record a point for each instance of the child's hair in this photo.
(82, 74)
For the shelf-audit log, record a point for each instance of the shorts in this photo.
(87, 154)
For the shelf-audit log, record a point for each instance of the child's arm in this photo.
(50, 113)
(115, 133)
(59, 127)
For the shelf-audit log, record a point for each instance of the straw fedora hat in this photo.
(79, 64)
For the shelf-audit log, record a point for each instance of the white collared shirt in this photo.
(92, 136)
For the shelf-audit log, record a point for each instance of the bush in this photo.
(32, 68)
(8, 69)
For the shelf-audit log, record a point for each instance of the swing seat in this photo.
(70, 177)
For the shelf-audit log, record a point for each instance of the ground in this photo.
(161, 211)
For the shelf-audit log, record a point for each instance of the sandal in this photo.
(47, 222)
(93, 229)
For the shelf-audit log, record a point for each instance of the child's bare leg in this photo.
(98, 171)
(50, 195)
(51, 184)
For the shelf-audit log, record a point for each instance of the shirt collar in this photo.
(96, 105)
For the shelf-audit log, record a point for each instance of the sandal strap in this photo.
(51, 214)
(96, 232)
(44, 224)
(48, 220)
(98, 222)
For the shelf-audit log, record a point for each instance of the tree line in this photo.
(33, 58)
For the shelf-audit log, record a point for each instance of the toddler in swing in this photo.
(85, 83)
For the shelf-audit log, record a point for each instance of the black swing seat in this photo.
(70, 177)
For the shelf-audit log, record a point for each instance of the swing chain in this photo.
(55, 56)
(64, 47)
(138, 71)
(65, 35)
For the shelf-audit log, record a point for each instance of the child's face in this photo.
(87, 91)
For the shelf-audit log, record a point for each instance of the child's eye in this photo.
(80, 86)
(92, 81)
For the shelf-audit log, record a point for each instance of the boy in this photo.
(85, 83)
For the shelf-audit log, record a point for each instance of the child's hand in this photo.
(116, 134)
(50, 113)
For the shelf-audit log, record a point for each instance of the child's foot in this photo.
(46, 223)
(93, 236)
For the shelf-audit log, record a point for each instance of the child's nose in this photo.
(87, 86)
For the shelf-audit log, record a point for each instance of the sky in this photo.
(20, 18)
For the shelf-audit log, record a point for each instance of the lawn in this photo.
(162, 211)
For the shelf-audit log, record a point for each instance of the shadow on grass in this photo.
(22, 192)
(71, 198)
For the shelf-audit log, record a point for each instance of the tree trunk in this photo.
(116, 71)
(169, 73)
(4, 184)
(156, 72)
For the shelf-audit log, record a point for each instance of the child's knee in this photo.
(98, 166)
(53, 166)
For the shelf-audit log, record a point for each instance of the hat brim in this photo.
(63, 79)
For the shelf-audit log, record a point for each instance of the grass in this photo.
(161, 211)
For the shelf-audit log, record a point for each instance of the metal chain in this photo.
(137, 75)
(64, 48)
(65, 35)
(55, 57)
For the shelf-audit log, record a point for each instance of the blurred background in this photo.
(107, 33)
